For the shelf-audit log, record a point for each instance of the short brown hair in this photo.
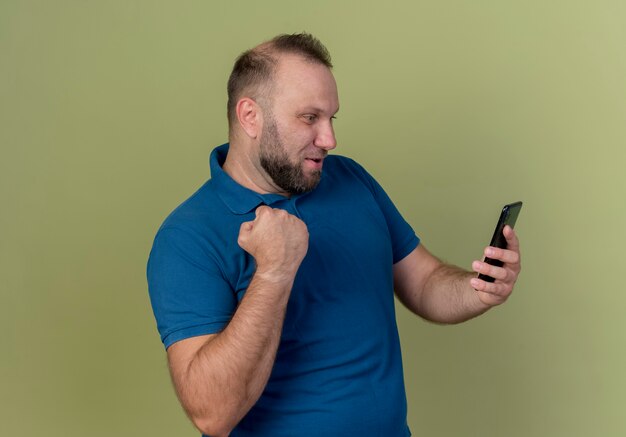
(254, 68)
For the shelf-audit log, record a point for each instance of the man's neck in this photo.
(242, 168)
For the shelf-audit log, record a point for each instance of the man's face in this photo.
(297, 126)
(275, 160)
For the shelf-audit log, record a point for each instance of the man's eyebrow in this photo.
(317, 110)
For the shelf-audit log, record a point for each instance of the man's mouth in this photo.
(314, 163)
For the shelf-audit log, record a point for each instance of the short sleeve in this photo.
(403, 237)
(188, 292)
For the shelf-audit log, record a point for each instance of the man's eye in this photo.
(310, 117)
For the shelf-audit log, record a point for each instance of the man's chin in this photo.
(309, 182)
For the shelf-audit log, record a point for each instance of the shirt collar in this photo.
(239, 199)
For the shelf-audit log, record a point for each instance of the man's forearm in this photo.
(448, 296)
(228, 374)
(219, 377)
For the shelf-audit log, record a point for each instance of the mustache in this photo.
(317, 156)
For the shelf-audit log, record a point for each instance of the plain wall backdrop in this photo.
(109, 110)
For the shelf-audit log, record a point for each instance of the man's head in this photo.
(282, 100)
(254, 70)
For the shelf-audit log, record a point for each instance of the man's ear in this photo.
(249, 116)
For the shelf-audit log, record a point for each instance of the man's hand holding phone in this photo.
(500, 268)
(496, 292)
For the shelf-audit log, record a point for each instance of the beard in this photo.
(275, 161)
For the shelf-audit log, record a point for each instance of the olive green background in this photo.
(108, 111)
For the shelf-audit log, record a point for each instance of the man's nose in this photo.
(326, 138)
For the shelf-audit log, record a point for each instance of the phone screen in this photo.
(508, 216)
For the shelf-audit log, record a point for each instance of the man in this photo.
(273, 284)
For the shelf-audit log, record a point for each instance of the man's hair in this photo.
(254, 69)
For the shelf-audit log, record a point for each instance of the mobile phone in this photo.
(508, 216)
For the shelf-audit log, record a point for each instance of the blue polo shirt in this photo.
(338, 370)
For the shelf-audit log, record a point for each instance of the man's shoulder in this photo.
(341, 160)
(343, 164)
(201, 207)
(342, 167)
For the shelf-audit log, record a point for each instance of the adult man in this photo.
(291, 331)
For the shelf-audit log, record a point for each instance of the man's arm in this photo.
(445, 293)
(219, 377)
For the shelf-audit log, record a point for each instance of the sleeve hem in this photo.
(194, 331)
(406, 248)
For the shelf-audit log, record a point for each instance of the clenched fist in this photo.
(277, 240)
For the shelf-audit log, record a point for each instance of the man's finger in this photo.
(246, 227)
(489, 270)
(511, 238)
(504, 255)
(261, 209)
(488, 292)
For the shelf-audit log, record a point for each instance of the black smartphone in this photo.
(507, 217)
